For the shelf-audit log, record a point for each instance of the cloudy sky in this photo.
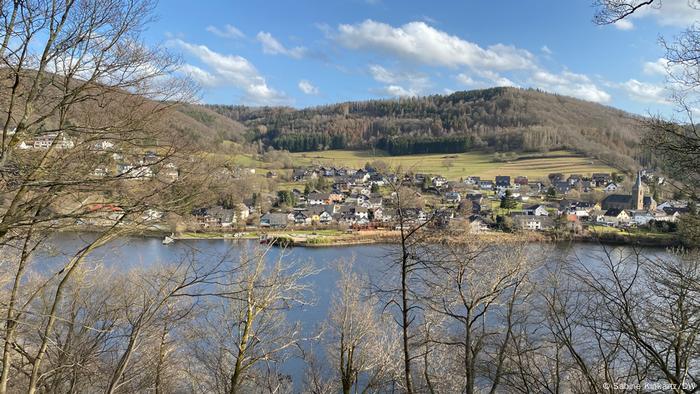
(304, 53)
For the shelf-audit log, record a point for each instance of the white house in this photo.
(611, 187)
(361, 213)
(536, 210)
(641, 218)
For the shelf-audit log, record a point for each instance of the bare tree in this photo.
(361, 344)
(411, 258)
(83, 143)
(477, 282)
(242, 335)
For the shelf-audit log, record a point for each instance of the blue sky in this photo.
(305, 53)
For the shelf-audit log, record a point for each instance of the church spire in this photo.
(637, 196)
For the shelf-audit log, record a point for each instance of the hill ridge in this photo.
(500, 119)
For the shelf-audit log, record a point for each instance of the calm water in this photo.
(369, 259)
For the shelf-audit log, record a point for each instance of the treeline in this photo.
(408, 145)
(300, 142)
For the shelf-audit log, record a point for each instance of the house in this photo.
(439, 181)
(664, 216)
(361, 213)
(562, 187)
(241, 212)
(416, 215)
(318, 198)
(641, 218)
(672, 204)
(274, 220)
(611, 187)
(574, 179)
(221, 216)
(335, 196)
(486, 185)
(597, 216)
(532, 223)
(477, 224)
(325, 217)
(299, 175)
(377, 214)
(536, 210)
(302, 217)
(521, 180)
(601, 179)
(375, 202)
(616, 216)
(377, 179)
(360, 177)
(443, 217)
(45, 141)
(453, 197)
(472, 180)
(503, 181)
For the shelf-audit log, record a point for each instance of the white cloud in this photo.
(495, 79)
(229, 31)
(570, 84)
(466, 80)
(679, 13)
(307, 87)
(381, 74)
(230, 70)
(398, 91)
(416, 83)
(624, 24)
(645, 92)
(200, 76)
(658, 67)
(273, 47)
(545, 49)
(421, 43)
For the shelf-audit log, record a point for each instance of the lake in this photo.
(370, 259)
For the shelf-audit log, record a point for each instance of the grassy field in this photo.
(455, 166)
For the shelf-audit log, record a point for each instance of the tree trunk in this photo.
(238, 369)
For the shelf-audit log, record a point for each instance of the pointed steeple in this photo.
(637, 197)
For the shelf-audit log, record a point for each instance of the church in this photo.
(637, 201)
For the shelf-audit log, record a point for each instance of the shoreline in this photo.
(291, 238)
(335, 238)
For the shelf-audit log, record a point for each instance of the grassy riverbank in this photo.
(333, 238)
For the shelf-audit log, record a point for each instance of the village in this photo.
(348, 199)
(366, 199)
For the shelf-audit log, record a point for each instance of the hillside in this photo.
(491, 120)
(102, 104)
(203, 125)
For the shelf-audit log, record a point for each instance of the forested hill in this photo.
(497, 119)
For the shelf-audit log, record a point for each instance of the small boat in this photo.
(264, 239)
(168, 239)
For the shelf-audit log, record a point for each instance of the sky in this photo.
(305, 53)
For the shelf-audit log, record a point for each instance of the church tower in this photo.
(637, 197)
